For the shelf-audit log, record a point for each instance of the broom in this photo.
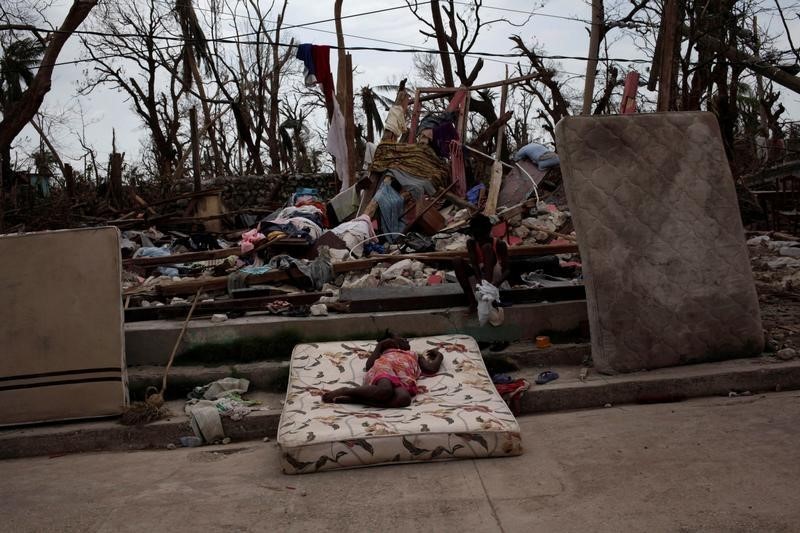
(152, 408)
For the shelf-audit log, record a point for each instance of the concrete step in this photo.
(755, 375)
(151, 342)
(523, 354)
(266, 376)
(272, 376)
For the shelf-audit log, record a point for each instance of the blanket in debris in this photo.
(415, 159)
(459, 416)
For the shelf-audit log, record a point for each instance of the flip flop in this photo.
(546, 377)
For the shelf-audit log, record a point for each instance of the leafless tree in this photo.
(127, 56)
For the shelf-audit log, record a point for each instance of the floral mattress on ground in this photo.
(458, 414)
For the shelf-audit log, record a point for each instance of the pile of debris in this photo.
(775, 259)
(402, 223)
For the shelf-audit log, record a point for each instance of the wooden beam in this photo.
(595, 37)
(440, 92)
(669, 23)
(242, 305)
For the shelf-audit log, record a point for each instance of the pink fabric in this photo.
(401, 367)
(457, 169)
(249, 239)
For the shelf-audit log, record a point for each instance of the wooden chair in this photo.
(786, 204)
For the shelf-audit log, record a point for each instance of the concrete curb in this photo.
(270, 376)
(664, 385)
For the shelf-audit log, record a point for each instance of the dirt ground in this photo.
(713, 464)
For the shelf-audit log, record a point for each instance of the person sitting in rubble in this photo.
(488, 259)
(392, 374)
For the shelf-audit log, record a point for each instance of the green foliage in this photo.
(16, 68)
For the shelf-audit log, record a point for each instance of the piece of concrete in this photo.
(668, 278)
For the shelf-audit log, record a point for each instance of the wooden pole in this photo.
(628, 104)
(497, 166)
(669, 22)
(502, 129)
(341, 65)
(69, 180)
(762, 111)
(594, 52)
(350, 125)
(116, 179)
(198, 186)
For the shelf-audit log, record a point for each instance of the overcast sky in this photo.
(106, 109)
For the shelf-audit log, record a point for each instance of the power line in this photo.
(409, 50)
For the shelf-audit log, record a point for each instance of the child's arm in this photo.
(431, 361)
(381, 347)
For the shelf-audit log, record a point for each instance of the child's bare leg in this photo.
(378, 395)
(401, 398)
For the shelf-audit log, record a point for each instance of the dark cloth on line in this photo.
(322, 70)
(304, 54)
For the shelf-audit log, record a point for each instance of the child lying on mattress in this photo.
(392, 373)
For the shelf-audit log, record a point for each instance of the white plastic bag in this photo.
(486, 294)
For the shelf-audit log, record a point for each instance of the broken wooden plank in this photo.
(373, 300)
(138, 314)
(188, 257)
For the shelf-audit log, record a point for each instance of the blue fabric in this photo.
(548, 163)
(304, 55)
(152, 251)
(390, 204)
(532, 151)
(373, 247)
(474, 194)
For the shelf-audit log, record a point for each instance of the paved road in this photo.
(716, 464)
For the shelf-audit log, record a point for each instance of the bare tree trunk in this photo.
(762, 112)
(25, 108)
(212, 136)
(594, 52)
(198, 184)
(441, 41)
(272, 136)
(669, 23)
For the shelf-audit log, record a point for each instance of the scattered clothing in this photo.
(539, 154)
(546, 377)
(415, 159)
(337, 145)
(474, 194)
(304, 54)
(390, 204)
(512, 393)
(249, 240)
(396, 120)
(356, 232)
(487, 294)
(415, 185)
(152, 251)
(369, 154)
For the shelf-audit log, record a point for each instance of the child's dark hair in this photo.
(386, 335)
(480, 224)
